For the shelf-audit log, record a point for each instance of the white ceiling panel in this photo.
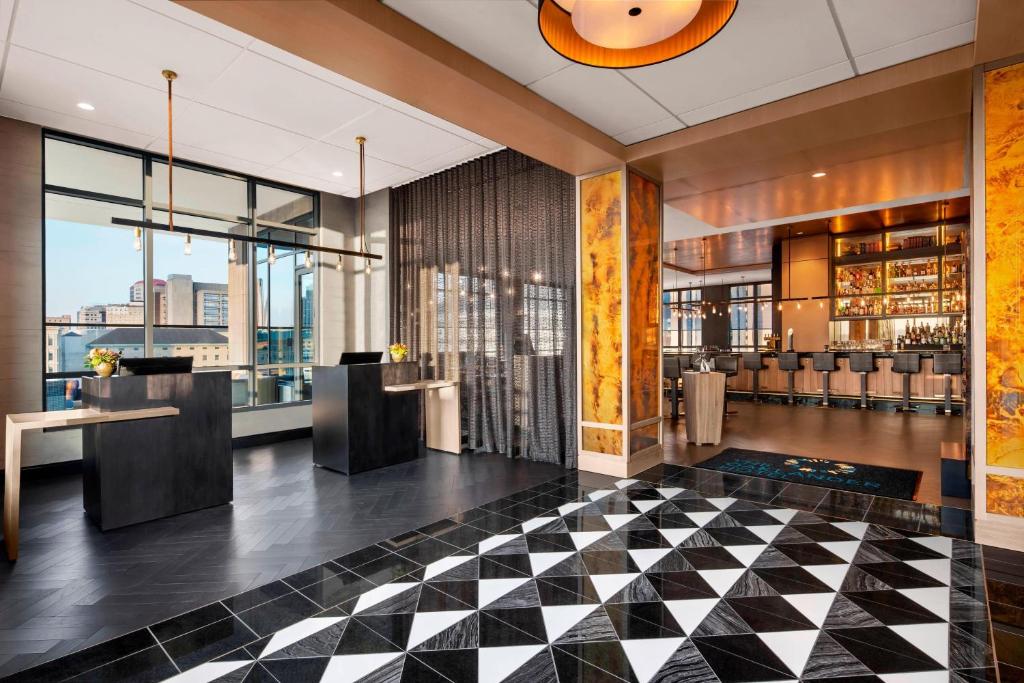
(6, 8)
(876, 25)
(502, 33)
(396, 137)
(961, 34)
(123, 39)
(49, 83)
(651, 130)
(302, 180)
(204, 156)
(285, 97)
(321, 160)
(470, 150)
(173, 10)
(766, 42)
(601, 97)
(769, 93)
(218, 131)
(72, 124)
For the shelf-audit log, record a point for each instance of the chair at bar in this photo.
(825, 363)
(789, 362)
(863, 362)
(670, 370)
(947, 365)
(906, 364)
(730, 366)
(754, 362)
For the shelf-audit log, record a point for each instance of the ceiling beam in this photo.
(378, 47)
(998, 30)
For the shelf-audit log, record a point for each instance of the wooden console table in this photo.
(17, 424)
(443, 412)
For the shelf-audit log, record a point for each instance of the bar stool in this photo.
(948, 364)
(863, 363)
(825, 363)
(906, 364)
(789, 363)
(670, 371)
(754, 362)
(730, 367)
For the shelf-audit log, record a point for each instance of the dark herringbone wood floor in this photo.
(74, 586)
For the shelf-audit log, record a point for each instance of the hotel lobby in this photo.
(512, 340)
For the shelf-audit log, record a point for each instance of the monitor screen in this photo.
(154, 366)
(360, 357)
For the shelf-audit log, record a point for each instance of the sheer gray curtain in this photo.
(483, 290)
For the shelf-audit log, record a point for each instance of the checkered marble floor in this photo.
(643, 581)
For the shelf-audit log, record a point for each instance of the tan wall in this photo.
(810, 274)
(21, 276)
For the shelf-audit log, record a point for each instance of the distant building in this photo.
(137, 294)
(92, 315)
(195, 303)
(207, 347)
(56, 325)
(124, 314)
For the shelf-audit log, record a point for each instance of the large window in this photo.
(681, 318)
(750, 316)
(229, 305)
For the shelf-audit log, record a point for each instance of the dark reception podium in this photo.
(137, 471)
(357, 425)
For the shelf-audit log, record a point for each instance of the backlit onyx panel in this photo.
(1004, 495)
(598, 440)
(1004, 275)
(601, 308)
(644, 245)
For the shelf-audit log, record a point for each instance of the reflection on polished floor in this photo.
(908, 441)
(678, 575)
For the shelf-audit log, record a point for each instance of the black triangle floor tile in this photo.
(635, 621)
(699, 539)
(882, 651)
(830, 660)
(296, 669)
(772, 558)
(963, 607)
(687, 665)
(741, 658)
(892, 608)
(321, 644)
(594, 627)
(846, 614)
(791, 580)
(538, 669)
(465, 592)
(900, 575)
(604, 662)
(375, 634)
(445, 665)
(415, 668)
(771, 613)
(567, 590)
(524, 596)
(258, 674)
(722, 620)
(672, 562)
(638, 590)
(859, 580)
(750, 585)
(688, 585)
(509, 627)
(967, 652)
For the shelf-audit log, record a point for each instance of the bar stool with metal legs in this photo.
(755, 363)
(789, 363)
(670, 371)
(906, 364)
(947, 365)
(862, 363)
(730, 367)
(825, 363)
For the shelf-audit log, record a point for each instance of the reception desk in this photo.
(357, 425)
(137, 471)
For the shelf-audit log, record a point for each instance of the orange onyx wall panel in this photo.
(601, 310)
(644, 246)
(1004, 274)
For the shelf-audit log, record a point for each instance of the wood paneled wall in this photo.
(810, 273)
(21, 276)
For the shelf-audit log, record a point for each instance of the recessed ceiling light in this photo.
(337, 174)
(819, 174)
(85, 106)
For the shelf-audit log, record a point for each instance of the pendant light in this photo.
(170, 77)
(138, 239)
(271, 255)
(232, 254)
(308, 262)
(618, 34)
(338, 266)
(361, 141)
(188, 245)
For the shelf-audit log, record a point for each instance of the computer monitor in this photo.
(360, 357)
(155, 366)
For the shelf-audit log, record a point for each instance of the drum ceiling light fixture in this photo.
(621, 34)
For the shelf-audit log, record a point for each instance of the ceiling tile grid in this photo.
(770, 50)
(239, 103)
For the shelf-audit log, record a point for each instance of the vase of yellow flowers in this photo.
(103, 361)
(398, 352)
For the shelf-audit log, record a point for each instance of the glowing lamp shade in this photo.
(629, 33)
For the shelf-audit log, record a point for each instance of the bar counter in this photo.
(883, 384)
